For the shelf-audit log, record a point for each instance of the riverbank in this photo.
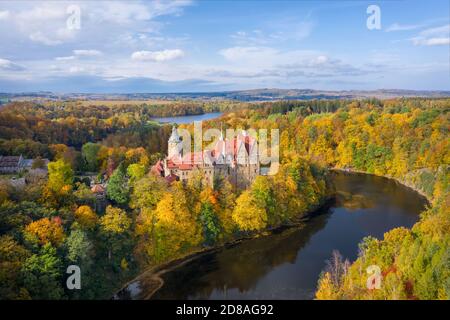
(152, 277)
(412, 259)
(404, 183)
(287, 264)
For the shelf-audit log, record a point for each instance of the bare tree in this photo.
(337, 267)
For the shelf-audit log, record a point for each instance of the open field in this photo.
(119, 102)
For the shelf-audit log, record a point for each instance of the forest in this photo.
(56, 220)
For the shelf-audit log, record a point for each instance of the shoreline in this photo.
(403, 183)
(154, 273)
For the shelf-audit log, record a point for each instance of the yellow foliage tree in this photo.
(115, 221)
(176, 229)
(86, 217)
(45, 231)
(247, 214)
(227, 200)
(326, 290)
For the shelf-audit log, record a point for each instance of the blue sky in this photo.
(182, 46)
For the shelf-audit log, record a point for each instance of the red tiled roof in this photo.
(171, 164)
(98, 188)
(157, 168)
(190, 160)
(185, 166)
(193, 157)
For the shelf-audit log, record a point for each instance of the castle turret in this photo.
(175, 145)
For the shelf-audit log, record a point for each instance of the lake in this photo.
(189, 119)
(287, 264)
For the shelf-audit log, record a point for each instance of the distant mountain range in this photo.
(242, 95)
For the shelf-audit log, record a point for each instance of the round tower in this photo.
(175, 145)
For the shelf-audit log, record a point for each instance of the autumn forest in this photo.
(91, 199)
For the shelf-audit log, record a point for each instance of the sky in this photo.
(209, 45)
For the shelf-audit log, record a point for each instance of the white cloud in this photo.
(291, 29)
(436, 31)
(432, 42)
(409, 27)
(48, 39)
(157, 56)
(124, 12)
(68, 58)
(76, 69)
(265, 52)
(254, 37)
(100, 47)
(44, 12)
(403, 27)
(4, 15)
(267, 57)
(248, 53)
(87, 53)
(81, 54)
(433, 36)
(320, 60)
(270, 63)
(7, 65)
(45, 22)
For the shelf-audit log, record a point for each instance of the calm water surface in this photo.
(287, 265)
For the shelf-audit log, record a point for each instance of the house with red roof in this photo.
(236, 159)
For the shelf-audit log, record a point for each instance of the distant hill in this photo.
(242, 95)
(302, 94)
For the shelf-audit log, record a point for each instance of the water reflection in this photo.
(238, 270)
(287, 265)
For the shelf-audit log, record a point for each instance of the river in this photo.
(287, 264)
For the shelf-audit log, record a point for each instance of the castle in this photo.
(236, 160)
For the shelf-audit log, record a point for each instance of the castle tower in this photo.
(224, 143)
(175, 145)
